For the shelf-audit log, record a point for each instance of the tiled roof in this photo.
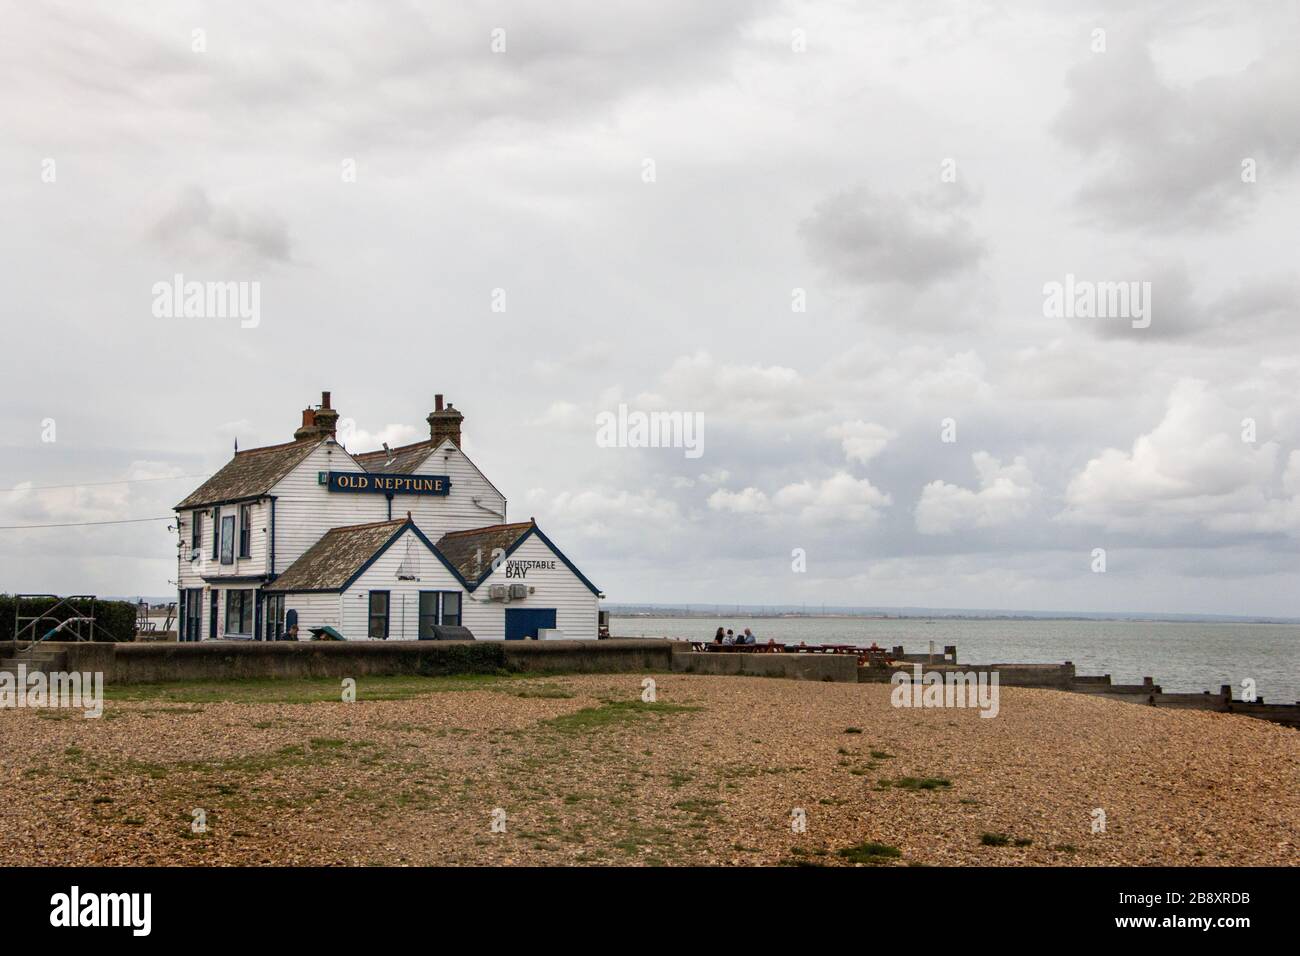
(250, 473)
(471, 551)
(331, 562)
(404, 460)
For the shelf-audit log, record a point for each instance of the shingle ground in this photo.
(587, 774)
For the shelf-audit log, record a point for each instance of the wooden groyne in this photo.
(878, 665)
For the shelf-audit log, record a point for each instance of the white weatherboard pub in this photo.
(381, 545)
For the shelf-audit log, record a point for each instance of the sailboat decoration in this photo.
(409, 569)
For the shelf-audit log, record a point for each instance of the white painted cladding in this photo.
(191, 573)
(576, 606)
(315, 610)
(404, 596)
(305, 509)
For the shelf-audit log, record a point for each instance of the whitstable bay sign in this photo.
(361, 483)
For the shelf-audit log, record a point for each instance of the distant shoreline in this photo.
(724, 613)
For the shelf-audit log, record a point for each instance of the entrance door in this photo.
(193, 613)
(524, 622)
(212, 617)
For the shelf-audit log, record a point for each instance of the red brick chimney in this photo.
(326, 418)
(444, 422)
(318, 422)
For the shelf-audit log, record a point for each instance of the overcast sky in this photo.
(650, 183)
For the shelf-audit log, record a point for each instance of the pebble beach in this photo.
(578, 770)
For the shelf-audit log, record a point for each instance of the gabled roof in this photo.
(343, 554)
(338, 556)
(407, 458)
(396, 461)
(250, 473)
(472, 551)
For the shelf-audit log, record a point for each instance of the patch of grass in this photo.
(869, 853)
(995, 839)
(881, 755)
(915, 783)
(612, 714)
(272, 690)
(1022, 841)
(853, 730)
(545, 692)
(1066, 848)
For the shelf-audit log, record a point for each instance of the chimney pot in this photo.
(444, 422)
(318, 422)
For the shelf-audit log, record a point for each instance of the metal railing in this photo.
(82, 625)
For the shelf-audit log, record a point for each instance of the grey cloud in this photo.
(870, 238)
(382, 76)
(192, 222)
(1166, 157)
(1252, 311)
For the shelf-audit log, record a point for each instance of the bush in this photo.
(114, 620)
(481, 657)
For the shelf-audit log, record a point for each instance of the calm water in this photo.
(1181, 657)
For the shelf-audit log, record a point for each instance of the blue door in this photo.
(525, 622)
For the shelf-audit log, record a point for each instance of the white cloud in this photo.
(861, 441)
(839, 498)
(600, 512)
(1193, 466)
(745, 393)
(1005, 494)
(747, 501)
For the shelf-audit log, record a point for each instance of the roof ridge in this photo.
(382, 451)
(491, 527)
(368, 524)
(279, 447)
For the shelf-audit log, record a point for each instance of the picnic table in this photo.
(865, 655)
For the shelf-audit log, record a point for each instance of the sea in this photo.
(1181, 657)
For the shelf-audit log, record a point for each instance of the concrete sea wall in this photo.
(159, 662)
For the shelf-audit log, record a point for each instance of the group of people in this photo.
(729, 637)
